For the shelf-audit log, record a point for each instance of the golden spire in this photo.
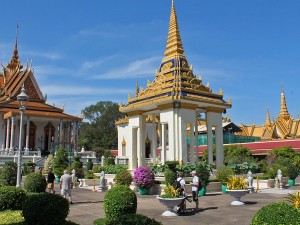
(174, 44)
(268, 119)
(283, 109)
(15, 61)
(137, 89)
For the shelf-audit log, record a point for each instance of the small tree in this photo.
(61, 161)
(49, 162)
(8, 176)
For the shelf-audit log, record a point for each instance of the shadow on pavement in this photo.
(85, 202)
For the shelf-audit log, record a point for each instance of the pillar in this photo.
(60, 133)
(7, 135)
(209, 141)
(192, 135)
(154, 139)
(133, 156)
(163, 146)
(196, 139)
(12, 134)
(27, 136)
(219, 145)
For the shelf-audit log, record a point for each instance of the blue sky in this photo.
(89, 51)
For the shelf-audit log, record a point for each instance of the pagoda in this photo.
(158, 116)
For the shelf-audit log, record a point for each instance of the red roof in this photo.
(262, 147)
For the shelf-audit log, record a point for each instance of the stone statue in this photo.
(250, 181)
(279, 178)
(103, 181)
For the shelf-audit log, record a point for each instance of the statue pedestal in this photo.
(103, 188)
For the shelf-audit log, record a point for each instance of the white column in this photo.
(133, 156)
(163, 145)
(27, 135)
(7, 134)
(176, 135)
(141, 141)
(192, 153)
(209, 141)
(3, 135)
(196, 139)
(219, 145)
(49, 136)
(60, 133)
(154, 139)
(12, 134)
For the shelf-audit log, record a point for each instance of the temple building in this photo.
(284, 126)
(45, 127)
(159, 115)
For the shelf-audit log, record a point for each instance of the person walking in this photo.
(195, 185)
(181, 181)
(50, 181)
(66, 186)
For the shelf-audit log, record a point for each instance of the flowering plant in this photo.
(236, 183)
(170, 192)
(143, 177)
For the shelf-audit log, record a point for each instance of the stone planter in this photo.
(170, 203)
(271, 183)
(237, 194)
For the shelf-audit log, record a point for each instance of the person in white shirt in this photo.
(195, 184)
(180, 179)
(66, 186)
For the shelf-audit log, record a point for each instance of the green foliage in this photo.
(111, 169)
(205, 154)
(123, 177)
(118, 201)
(171, 165)
(79, 172)
(203, 172)
(286, 152)
(243, 168)
(49, 162)
(35, 182)
(186, 168)
(45, 209)
(11, 198)
(100, 129)
(107, 154)
(223, 173)
(61, 161)
(292, 171)
(76, 162)
(89, 176)
(170, 177)
(128, 219)
(109, 161)
(11, 217)
(89, 165)
(8, 175)
(237, 154)
(272, 170)
(277, 213)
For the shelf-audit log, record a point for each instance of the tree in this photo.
(99, 130)
(61, 161)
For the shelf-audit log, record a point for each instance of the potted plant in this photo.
(236, 187)
(144, 179)
(223, 173)
(292, 173)
(170, 197)
(203, 172)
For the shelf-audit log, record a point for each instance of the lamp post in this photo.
(23, 99)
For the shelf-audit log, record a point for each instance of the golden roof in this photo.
(174, 80)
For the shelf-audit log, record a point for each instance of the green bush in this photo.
(89, 165)
(109, 161)
(223, 173)
(118, 201)
(292, 171)
(49, 162)
(123, 177)
(128, 219)
(11, 217)
(272, 170)
(8, 175)
(11, 198)
(170, 177)
(112, 169)
(60, 162)
(203, 172)
(277, 213)
(171, 165)
(45, 209)
(35, 182)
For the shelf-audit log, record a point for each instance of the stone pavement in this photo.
(215, 208)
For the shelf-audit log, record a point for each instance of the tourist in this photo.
(66, 186)
(50, 180)
(195, 185)
(181, 181)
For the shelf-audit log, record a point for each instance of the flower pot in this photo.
(291, 182)
(237, 194)
(170, 203)
(271, 183)
(144, 191)
(202, 191)
(57, 179)
(224, 188)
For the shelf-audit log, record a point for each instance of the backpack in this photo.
(199, 184)
(177, 184)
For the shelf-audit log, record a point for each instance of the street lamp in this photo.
(23, 99)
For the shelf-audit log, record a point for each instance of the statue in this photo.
(74, 179)
(279, 179)
(103, 181)
(250, 181)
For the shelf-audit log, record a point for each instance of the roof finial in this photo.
(15, 61)
(268, 119)
(283, 109)
(174, 44)
(137, 88)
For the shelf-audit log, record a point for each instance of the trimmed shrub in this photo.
(60, 162)
(11, 198)
(171, 165)
(112, 169)
(223, 174)
(292, 171)
(45, 209)
(89, 165)
(118, 201)
(273, 169)
(11, 217)
(203, 172)
(123, 178)
(170, 177)
(109, 161)
(128, 219)
(8, 175)
(277, 213)
(35, 182)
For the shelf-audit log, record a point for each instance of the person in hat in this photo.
(195, 185)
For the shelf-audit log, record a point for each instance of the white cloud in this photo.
(42, 70)
(138, 68)
(97, 62)
(47, 55)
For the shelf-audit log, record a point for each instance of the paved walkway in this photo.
(214, 208)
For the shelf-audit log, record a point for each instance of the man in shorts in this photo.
(66, 186)
(195, 184)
